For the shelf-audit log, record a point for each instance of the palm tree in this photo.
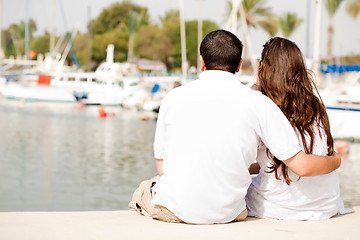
(256, 15)
(288, 22)
(331, 7)
(353, 8)
(255, 12)
(270, 25)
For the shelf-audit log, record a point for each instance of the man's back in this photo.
(207, 134)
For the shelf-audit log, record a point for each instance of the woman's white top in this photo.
(306, 198)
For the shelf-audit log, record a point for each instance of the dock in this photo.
(124, 225)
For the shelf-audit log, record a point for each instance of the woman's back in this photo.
(277, 192)
(306, 198)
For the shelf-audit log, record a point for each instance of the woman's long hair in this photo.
(283, 77)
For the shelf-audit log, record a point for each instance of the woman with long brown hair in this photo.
(277, 192)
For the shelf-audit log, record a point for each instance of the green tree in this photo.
(81, 48)
(270, 25)
(41, 44)
(152, 43)
(117, 37)
(135, 24)
(172, 13)
(192, 36)
(353, 8)
(114, 25)
(15, 37)
(288, 22)
(256, 15)
(118, 14)
(331, 8)
(171, 29)
(255, 12)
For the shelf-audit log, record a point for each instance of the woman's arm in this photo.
(307, 165)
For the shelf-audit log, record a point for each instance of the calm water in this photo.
(57, 157)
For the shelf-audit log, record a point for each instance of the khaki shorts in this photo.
(141, 202)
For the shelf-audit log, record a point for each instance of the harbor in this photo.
(78, 110)
(60, 157)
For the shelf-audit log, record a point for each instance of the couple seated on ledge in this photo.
(210, 132)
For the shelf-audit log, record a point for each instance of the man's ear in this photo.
(238, 68)
(202, 63)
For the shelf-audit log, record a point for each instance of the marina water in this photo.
(62, 157)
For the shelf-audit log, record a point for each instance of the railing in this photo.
(22, 62)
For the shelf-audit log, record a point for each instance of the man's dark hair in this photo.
(221, 50)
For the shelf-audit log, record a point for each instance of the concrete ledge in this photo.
(126, 225)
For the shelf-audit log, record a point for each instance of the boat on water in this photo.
(110, 84)
(341, 96)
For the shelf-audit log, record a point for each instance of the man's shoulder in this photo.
(255, 95)
(183, 89)
(177, 93)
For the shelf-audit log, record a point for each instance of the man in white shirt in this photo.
(207, 136)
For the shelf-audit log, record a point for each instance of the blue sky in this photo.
(346, 39)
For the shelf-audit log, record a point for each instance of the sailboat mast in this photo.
(1, 51)
(231, 25)
(200, 33)
(183, 40)
(233, 15)
(247, 35)
(52, 27)
(27, 30)
(317, 40)
(89, 37)
(307, 35)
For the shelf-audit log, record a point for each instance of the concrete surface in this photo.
(130, 225)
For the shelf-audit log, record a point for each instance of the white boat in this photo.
(110, 84)
(342, 100)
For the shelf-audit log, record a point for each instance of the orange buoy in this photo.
(342, 147)
(102, 113)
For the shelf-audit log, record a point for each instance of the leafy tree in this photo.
(288, 23)
(331, 7)
(172, 13)
(256, 15)
(171, 29)
(117, 37)
(256, 12)
(41, 44)
(115, 25)
(152, 43)
(15, 37)
(353, 8)
(191, 28)
(270, 25)
(118, 14)
(81, 42)
(135, 24)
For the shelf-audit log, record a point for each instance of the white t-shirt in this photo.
(207, 133)
(307, 198)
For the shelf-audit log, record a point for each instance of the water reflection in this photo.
(349, 180)
(57, 157)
